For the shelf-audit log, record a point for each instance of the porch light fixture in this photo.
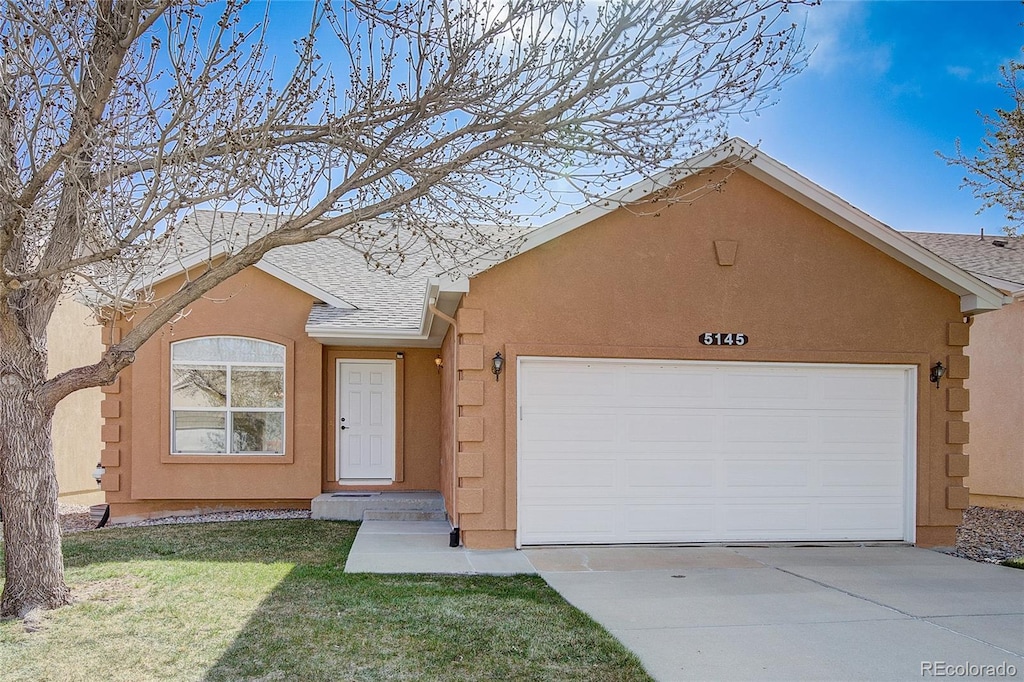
(496, 364)
(439, 362)
(938, 371)
(98, 472)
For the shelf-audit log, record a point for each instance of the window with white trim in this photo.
(227, 396)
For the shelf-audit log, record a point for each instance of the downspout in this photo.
(453, 540)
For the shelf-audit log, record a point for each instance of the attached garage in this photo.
(620, 451)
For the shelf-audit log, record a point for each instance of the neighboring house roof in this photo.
(361, 305)
(999, 261)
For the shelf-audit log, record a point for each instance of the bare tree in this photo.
(997, 171)
(119, 116)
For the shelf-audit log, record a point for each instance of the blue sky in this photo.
(888, 85)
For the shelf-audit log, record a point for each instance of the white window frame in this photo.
(228, 410)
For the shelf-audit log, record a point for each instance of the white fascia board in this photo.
(304, 286)
(1011, 288)
(444, 285)
(335, 336)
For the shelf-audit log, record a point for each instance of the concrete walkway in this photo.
(777, 613)
(422, 547)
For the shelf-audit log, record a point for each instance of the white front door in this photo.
(366, 420)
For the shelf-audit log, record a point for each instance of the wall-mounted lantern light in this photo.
(98, 472)
(938, 371)
(496, 364)
(439, 362)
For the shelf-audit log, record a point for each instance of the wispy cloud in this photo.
(964, 73)
(837, 33)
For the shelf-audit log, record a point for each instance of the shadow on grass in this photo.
(319, 623)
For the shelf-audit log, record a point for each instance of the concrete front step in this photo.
(355, 505)
(404, 515)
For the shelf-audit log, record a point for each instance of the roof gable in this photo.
(975, 295)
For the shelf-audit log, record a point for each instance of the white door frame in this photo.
(390, 409)
(910, 435)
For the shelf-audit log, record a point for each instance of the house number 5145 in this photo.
(723, 339)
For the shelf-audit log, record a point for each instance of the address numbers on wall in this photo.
(723, 339)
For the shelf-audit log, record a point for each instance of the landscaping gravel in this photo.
(75, 518)
(992, 535)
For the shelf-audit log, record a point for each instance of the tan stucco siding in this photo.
(997, 403)
(645, 282)
(73, 340)
(251, 304)
(144, 478)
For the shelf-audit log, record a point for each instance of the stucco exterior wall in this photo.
(73, 340)
(997, 403)
(147, 478)
(645, 282)
(144, 479)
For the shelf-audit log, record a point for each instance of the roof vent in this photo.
(999, 242)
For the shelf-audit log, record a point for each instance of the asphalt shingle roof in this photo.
(380, 300)
(977, 255)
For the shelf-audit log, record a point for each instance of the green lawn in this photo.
(267, 600)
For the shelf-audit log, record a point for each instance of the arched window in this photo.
(227, 396)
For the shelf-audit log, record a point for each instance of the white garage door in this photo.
(614, 451)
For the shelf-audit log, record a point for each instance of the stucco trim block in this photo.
(959, 367)
(471, 429)
(471, 356)
(958, 433)
(957, 465)
(110, 433)
(471, 465)
(726, 252)
(110, 408)
(110, 483)
(958, 334)
(110, 335)
(110, 457)
(958, 497)
(471, 500)
(112, 387)
(958, 399)
(471, 393)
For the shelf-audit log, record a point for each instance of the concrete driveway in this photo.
(788, 613)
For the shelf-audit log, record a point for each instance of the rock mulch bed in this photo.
(75, 518)
(991, 534)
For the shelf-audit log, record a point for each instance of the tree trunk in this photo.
(33, 563)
